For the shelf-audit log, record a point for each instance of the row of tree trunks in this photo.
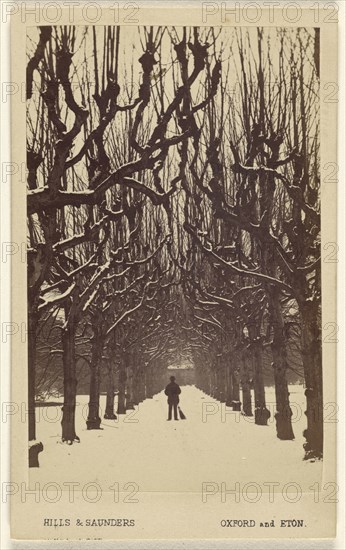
(245, 370)
(222, 382)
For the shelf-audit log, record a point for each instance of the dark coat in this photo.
(172, 391)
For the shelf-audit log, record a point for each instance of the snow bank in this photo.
(213, 444)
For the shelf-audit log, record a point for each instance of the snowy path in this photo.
(143, 447)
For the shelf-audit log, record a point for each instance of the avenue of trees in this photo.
(173, 207)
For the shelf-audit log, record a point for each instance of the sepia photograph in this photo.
(174, 234)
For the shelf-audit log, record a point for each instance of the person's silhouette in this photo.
(172, 391)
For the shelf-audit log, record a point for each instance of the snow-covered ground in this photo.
(213, 444)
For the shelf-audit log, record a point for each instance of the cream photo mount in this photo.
(133, 502)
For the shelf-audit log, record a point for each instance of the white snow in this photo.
(143, 447)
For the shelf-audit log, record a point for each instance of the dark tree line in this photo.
(173, 204)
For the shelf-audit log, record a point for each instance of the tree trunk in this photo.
(129, 381)
(229, 392)
(283, 412)
(136, 379)
(109, 412)
(37, 265)
(236, 404)
(94, 421)
(70, 383)
(122, 387)
(32, 318)
(139, 385)
(142, 385)
(245, 385)
(262, 414)
(34, 447)
(210, 382)
(312, 363)
(135, 389)
(214, 382)
(149, 381)
(222, 381)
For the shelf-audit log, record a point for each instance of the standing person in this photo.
(172, 391)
